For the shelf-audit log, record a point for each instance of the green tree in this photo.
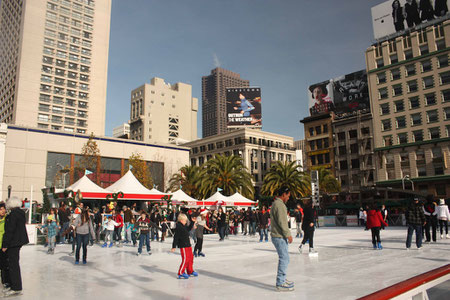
(327, 182)
(229, 174)
(286, 174)
(90, 158)
(140, 169)
(189, 179)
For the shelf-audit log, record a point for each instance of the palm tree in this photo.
(189, 179)
(229, 174)
(327, 182)
(286, 174)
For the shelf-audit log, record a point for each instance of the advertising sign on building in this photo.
(244, 107)
(397, 15)
(343, 95)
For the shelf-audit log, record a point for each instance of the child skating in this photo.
(51, 234)
(181, 240)
(109, 225)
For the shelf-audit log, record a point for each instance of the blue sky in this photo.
(283, 46)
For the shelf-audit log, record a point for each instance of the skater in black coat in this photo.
(308, 227)
(14, 238)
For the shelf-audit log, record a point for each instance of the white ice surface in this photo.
(239, 268)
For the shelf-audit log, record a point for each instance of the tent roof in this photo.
(239, 198)
(128, 184)
(84, 184)
(182, 196)
(217, 197)
(155, 191)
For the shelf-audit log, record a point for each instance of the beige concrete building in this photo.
(214, 106)
(409, 83)
(162, 113)
(257, 148)
(122, 131)
(354, 155)
(32, 159)
(53, 64)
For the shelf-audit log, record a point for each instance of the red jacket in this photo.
(118, 218)
(374, 219)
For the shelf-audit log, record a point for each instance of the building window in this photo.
(447, 113)
(430, 99)
(384, 109)
(440, 44)
(399, 106)
(343, 165)
(447, 130)
(428, 82)
(412, 86)
(342, 150)
(421, 171)
(424, 48)
(402, 138)
(445, 96)
(434, 133)
(394, 58)
(386, 125)
(325, 128)
(443, 61)
(401, 122)
(395, 74)
(432, 116)
(408, 54)
(353, 134)
(410, 70)
(418, 135)
(355, 163)
(311, 131)
(414, 102)
(318, 129)
(380, 63)
(444, 78)
(397, 90)
(426, 65)
(381, 77)
(382, 93)
(387, 140)
(416, 119)
(354, 148)
(341, 136)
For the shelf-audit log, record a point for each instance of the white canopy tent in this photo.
(238, 198)
(179, 196)
(88, 189)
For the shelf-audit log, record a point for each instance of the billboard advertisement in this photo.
(343, 95)
(244, 107)
(397, 15)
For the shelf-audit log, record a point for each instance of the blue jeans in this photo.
(144, 237)
(82, 239)
(418, 229)
(62, 237)
(282, 246)
(252, 228)
(222, 232)
(263, 233)
(127, 232)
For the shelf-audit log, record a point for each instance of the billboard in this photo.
(244, 107)
(397, 15)
(343, 95)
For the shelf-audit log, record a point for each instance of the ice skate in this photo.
(379, 246)
(300, 248)
(194, 274)
(447, 236)
(105, 245)
(285, 287)
(110, 245)
(12, 293)
(183, 276)
(201, 254)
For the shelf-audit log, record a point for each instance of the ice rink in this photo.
(346, 267)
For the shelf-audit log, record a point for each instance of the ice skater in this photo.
(201, 225)
(443, 217)
(145, 225)
(181, 240)
(109, 225)
(51, 234)
(374, 222)
(83, 227)
(430, 211)
(308, 227)
(415, 219)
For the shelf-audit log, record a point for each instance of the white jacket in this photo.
(443, 213)
(110, 224)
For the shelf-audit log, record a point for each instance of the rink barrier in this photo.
(413, 288)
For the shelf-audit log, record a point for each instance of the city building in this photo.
(214, 107)
(354, 155)
(122, 131)
(257, 148)
(300, 148)
(162, 113)
(409, 83)
(32, 159)
(53, 64)
(319, 143)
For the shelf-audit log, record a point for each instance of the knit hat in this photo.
(441, 202)
(203, 211)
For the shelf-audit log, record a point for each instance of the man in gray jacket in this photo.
(281, 237)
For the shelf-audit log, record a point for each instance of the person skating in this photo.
(443, 217)
(181, 240)
(14, 238)
(145, 225)
(118, 228)
(430, 211)
(201, 225)
(109, 225)
(221, 223)
(298, 222)
(281, 237)
(51, 234)
(415, 219)
(263, 223)
(308, 227)
(83, 227)
(374, 222)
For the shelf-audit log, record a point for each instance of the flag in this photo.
(130, 167)
(219, 189)
(87, 172)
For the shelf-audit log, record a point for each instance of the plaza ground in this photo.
(346, 267)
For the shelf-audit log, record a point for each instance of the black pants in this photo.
(199, 245)
(4, 268)
(309, 235)
(431, 224)
(14, 268)
(222, 232)
(442, 224)
(375, 235)
(82, 239)
(118, 233)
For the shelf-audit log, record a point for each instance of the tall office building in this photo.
(214, 107)
(53, 64)
(409, 80)
(163, 113)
